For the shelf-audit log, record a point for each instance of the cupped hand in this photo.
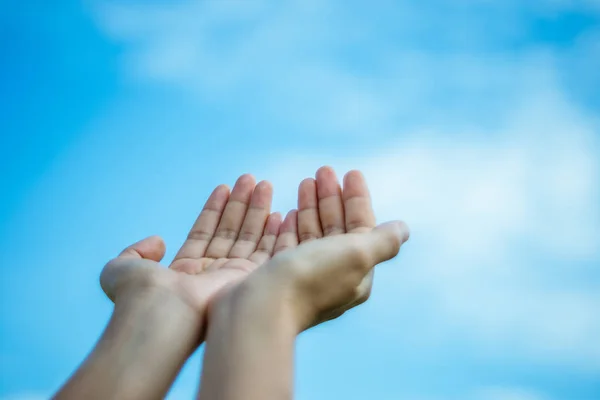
(234, 234)
(331, 270)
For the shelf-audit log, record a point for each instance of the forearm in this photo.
(249, 350)
(145, 344)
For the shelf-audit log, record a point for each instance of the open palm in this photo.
(236, 233)
(326, 209)
(233, 235)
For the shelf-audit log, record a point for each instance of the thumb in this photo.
(151, 248)
(384, 241)
(360, 250)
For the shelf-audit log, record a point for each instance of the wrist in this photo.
(159, 308)
(258, 300)
(149, 337)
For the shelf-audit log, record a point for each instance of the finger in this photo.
(331, 207)
(385, 240)
(309, 225)
(359, 214)
(266, 246)
(288, 233)
(205, 226)
(152, 248)
(232, 218)
(253, 226)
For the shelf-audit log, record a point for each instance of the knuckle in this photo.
(306, 236)
(199, 235)
(360, 256)
(282, 248)
(247, 236)
(331, 230)
(227, 233)
(358, 225)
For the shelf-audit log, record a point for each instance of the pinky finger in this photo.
(265, 247)
(288, 233)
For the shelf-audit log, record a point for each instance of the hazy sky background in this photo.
(477, 122)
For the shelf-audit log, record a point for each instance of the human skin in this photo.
(159, 317)
(160, 313)
(253, 326)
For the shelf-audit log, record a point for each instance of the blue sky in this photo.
(477, 122)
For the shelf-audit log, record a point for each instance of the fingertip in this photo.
(307, 182)
(243, 189)
(263, 195)
(273, 223)
(406, 231)
(157, 241)
(324, 171)
(352, 175)
(327, 183)
(290, 222)
(307, 188)
(403, 230)
(265, 185)
(275, 217)
(307, 194)
(397, 228)
(244, 183)
(154, 248)
(355, 185)
(218, 198)
(292, 215)
(151, 248)
(222, 188)
(246, 178)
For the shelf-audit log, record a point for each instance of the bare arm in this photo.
(160, 312)
(250, 348)
(146, 342)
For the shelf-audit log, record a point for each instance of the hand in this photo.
(331, 270)
(255, 323)
(160, 313)
(234, 234)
